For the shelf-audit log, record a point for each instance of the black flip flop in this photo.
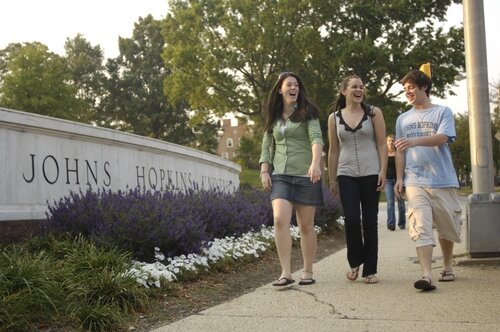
(424, 284)
(287, 282)
(306, 281)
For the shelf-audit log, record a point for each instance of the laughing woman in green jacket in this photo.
(292, 144)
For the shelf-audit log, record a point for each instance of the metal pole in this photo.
(478, 97)
(483, 206)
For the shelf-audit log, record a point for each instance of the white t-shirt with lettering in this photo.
(429, 167)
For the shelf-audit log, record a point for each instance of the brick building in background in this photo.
(229, 138)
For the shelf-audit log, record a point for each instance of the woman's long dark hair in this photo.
(305, 110)
(340, 101)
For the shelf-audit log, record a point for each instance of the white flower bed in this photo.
(251, 243)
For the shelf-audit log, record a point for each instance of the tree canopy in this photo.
(85, 65)
(134, 99)
(36, 80)
(226, 54)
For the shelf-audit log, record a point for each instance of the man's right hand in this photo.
(399, 189)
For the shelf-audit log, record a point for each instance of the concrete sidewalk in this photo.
(471, 303)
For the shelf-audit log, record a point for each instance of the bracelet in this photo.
(264, 172)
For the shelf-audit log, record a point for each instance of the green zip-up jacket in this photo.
(293, 153)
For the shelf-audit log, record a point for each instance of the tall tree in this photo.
(225, 57)
(37, 81)
(134, 99)
(85, 64)
(249, 151)
(460, 149)
(205, 136)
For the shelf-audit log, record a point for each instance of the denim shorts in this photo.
(297, 189)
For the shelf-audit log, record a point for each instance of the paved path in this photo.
(471, 303)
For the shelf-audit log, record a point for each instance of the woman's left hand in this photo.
(314, 173)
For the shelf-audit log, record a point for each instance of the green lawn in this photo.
(250, 177)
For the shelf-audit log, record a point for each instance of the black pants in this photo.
(360, 199)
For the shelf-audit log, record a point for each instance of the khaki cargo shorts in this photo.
(429, 207)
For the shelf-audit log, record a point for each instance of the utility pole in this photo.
(483, 206)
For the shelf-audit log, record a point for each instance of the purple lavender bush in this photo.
(139, 221)
(177, 223)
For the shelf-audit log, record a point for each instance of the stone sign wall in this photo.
(43, 159)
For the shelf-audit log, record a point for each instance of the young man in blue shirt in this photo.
(425, 171)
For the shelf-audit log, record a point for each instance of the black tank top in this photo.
(391, 168)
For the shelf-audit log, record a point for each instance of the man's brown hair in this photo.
(419, 79)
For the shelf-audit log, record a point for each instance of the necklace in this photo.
(287, 112)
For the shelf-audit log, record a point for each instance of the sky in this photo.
(51, 22)
(101, 22)
(458, 103)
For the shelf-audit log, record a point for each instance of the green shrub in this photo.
(100, 276)
(30, 289)
(50, 280)
(98, 316)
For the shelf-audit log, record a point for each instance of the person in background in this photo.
(292, 144)
(389, 189)
(357, 162)
(425, 171)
